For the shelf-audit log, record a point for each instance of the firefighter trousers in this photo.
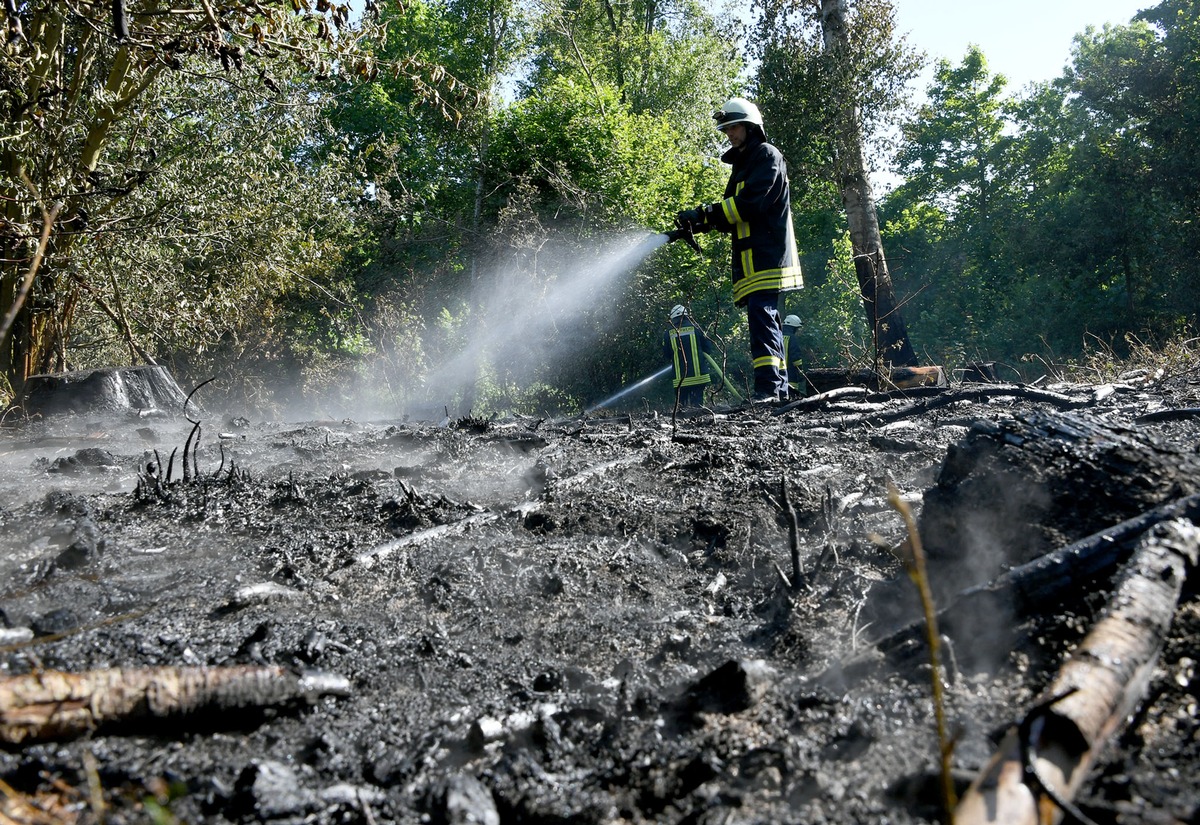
(766, 344)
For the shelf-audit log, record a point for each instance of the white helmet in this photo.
(737, 110)
(792, 321)
(677, 312)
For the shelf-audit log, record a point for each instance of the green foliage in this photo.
(1047, 221)
(567, 165)
(663, 58)
(83, 92)
(953, 146)
(341, 222)
(834, 330)
(236, 233)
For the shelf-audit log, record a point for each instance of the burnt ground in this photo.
(578, 620)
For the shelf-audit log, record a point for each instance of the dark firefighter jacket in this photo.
(686, 346)
(757, 213)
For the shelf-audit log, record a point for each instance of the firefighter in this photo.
(791, 355)
(686, 345)
(757, 212)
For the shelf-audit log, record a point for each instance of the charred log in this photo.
(1053, 582)
(1042, 763)
(1014, 490)
(820, 380)
(1027, 484)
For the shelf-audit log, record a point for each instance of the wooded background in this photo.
(314, 205)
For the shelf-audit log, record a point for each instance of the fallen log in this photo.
(1042, 762)
(1180, 414)
(52, 704)
(926, 399)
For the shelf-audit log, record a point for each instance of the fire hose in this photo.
(712, 363)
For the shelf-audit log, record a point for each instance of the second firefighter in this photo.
(687, 345)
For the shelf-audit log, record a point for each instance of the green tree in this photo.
(1098, 240)
(954, 159)
(78, 80)
(1137, 86)
(609, 135)
(951, 155)
(829, 75)
(664, 57)
(230, 258)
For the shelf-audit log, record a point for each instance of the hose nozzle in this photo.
(685, 234)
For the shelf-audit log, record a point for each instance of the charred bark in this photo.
(1023, 486)
(1053, 582)
(1014, 490)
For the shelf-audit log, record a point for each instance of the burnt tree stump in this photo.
(111, 390)
(1013, 490)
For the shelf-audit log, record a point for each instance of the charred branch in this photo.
(187, 450)
(793, 532)
(52, 705)
(187, 401)
(1049, 583)
(154, 484)
(925, 400)
(1014, 490)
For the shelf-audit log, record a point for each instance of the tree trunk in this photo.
(892, 347)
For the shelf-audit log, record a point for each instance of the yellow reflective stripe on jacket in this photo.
(774, 279)
(690, 371)
(768, 361)
(729, 207)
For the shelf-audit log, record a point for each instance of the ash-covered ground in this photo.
(585, 620)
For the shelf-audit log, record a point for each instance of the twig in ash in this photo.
(793, 532)
(187, 400)
(187, 450)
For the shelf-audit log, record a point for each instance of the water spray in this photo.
(522, 317)
(624, 392)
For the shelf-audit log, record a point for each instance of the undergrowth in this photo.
(1146, 362)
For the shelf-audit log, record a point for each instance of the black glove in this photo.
(693, 218)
